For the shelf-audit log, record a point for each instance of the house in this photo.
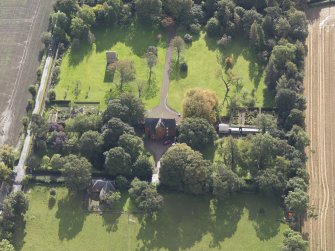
(159, 128)
(100, 188)
(111, 57)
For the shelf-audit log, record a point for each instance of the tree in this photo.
(296, 117)
(126, 70)
(299, 24)
(118, 161)
(5, 245)
(90, 145)
(132, 144)
(127, 107)
(201, 103)
(184, 170)
(16, 204)
(293, 241)
(213, 27)
(69, 7)
(78, 28)
(83, 123)
(197, 133)
(298, 138)
(5, 172)
(77, 172)
(148, 10)
(112, 198)
(7, 155)
(297, 182)
(151, 62)
(225, 182)
(285, 101)
(265, 121)
(179, 45)
(282, 27)
(46, 39)
(87, 14)
(230, 153)
(60, 20)
(297, 200)
(57, 162)
(179, 9)
(145, 196)
(256, 35)
(112, 131)
(142, 168)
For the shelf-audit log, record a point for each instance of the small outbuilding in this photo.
(100, 188)
(111, 57)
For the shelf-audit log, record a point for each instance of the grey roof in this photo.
(103, 187)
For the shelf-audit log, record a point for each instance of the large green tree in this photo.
(197, 133)
(148, 11)
(142, 168)
(297, 200)
(185, 170)
(83, 123)
(112, 131)
(90, 145)
(179, 9)
(132, 144)
(225, 182)
(293, 241)
(127, 107)
(77, 172)
(5, 245)
(7, 155)
(118, 162)
(5, 172)
(145, 196)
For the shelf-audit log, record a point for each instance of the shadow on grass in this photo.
(175, 72)
(77, 55)
(71, 216)
(112, 215)
(185, 220)
(269, 98)
(20, 233)
(136, 36)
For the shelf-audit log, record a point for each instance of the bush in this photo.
(195, 29)
(183, 67)
(224, 41)
(122, 183)
(52, 95)
(53, 192)
(188, 38)
(30, 105)
(32, 90)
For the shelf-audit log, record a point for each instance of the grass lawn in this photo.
(203, 59)
(88, 64)
(185, 223)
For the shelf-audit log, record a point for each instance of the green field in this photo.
(203, 58)
(185, 223)
(88, 64)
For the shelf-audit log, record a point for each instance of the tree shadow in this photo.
(71, 216)
(224, 219)
(265, 216)
(51, 202)
(111, 215)
(178, 225)
(151, 90)
(77, 55)
(269, 97)
(19, 234)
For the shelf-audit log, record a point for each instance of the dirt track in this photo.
(320, 121)
(21, 25)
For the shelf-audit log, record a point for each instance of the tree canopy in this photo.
(202, 104)
(197, 133)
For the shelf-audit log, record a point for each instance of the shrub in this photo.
(52, 95)
(30, 105)
(188, 38)
(195, 28)
(183, 67)
(53, 192)
(224, 41)
(32, 90)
